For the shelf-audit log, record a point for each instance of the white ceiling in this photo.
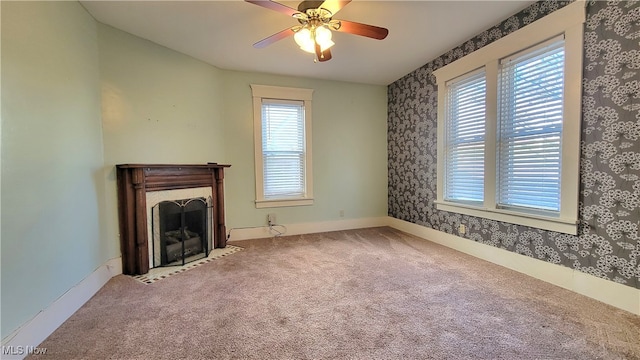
(222, 33)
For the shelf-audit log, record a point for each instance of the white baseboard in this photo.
(26, 338)
(306, 228)
(621, 296)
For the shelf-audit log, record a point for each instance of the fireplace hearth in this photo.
(197, 232)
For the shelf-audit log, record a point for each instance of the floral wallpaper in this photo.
(607, 244)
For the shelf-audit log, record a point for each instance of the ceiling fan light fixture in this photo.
(316, 23)
(307, 39)
(304, 39)
(323, 38)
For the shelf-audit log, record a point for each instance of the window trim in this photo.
(568, 21)
(260, 92)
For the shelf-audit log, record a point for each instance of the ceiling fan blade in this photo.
(334, 5)
(272, 5)
(322, 55)
(325, 56)
(370, 31)
(273, 38)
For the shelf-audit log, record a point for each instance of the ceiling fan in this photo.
(313, 35)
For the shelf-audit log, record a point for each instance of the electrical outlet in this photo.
(462, 229)
(271, 219)
(341, 213)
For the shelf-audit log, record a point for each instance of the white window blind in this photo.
(283, 148)
(530, 107)
(465, 137)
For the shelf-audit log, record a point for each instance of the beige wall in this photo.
(52, 188)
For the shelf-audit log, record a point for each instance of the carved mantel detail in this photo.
(135, 180)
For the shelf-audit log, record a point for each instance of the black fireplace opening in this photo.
(181, 231)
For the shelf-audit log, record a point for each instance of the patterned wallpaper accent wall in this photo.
(607, 245)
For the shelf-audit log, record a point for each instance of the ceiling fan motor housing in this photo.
(309, 4)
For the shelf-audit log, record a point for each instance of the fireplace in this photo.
(169, 214)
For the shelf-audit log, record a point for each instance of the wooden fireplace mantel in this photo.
(135, 180)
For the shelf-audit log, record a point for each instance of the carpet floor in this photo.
(359, 294)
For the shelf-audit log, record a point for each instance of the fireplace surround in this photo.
(136, 180)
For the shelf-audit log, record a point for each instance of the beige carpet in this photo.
(361, 294)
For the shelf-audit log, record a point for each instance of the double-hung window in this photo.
(282, 126)
(464, 152)
(509, 126)
(530, 109)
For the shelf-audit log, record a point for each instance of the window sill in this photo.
(565, 226)
(283, 202)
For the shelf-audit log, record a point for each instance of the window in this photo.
(530, 128)
(464, 146)
(509, 126)
(282, 126)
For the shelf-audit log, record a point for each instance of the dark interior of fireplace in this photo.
(183, 231)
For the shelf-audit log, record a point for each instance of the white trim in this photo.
(567, 226)
(280, 92)
(570, 193)
(44, 323)
(237, 234)
(621, 296)
(283, 203)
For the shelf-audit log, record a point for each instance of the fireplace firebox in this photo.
(181, 231)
